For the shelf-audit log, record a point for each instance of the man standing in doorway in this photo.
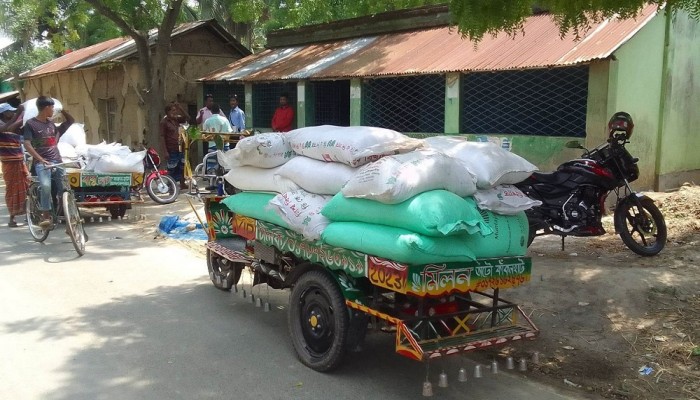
(236, 117)
(206, 111)
(284, 116)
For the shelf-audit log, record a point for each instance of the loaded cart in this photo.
(435, 309)
(114, 191)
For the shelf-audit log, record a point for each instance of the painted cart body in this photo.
(434, 309)
(114, 191)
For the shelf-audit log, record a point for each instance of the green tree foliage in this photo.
(475, 18)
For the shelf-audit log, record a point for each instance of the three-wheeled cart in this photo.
(435, 309)
(114, 191)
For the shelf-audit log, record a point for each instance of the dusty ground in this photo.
(604, 313)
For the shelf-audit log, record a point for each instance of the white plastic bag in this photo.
(505, 200)
(302, 211)
(491, 164)
(316, 176)
(68, 154)
(31, 111)
(99, 150)
(351, 145)
(259, 179)
(267, 150)
(74, 136)
(394, 179)
(112, 163)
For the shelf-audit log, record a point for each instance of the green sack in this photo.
(433, 213)
(396, 244)
(254, 205)
(509, 236)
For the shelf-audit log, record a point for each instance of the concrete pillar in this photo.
(250, 124)
(301, 104)
(453, 102)
(355, 102)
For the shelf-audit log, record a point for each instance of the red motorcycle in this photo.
(160, 186)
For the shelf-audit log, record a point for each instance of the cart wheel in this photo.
(223, 272)
(318, 321)
(117, 210)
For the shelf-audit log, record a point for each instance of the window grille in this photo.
(331, 103)
(546, 102)
(266, 98)
(108, 119)
(405, 104)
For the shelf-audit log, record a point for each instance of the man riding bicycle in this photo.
(40, 138)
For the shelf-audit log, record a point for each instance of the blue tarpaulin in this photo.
(175, 228)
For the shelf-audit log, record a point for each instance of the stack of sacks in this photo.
(100, 158)
(306, 167)
(495, 169)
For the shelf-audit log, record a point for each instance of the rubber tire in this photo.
(319, 284)
(173, 192)
(622, 212)
(531, 233)
(74, 223)
(223, 281)
(117, 210)
(34, 215)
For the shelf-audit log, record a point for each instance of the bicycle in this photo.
(65, 211)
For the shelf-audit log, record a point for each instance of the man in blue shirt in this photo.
(236, 117)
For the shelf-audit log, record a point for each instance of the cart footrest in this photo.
(232, 249)
(457, 333)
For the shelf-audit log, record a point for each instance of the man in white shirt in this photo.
(206, 112)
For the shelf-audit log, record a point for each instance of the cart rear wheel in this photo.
(318, 321)
(223, 272)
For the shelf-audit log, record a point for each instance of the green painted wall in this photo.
(679, 138)
(635, 87)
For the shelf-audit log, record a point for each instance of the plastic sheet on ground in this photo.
(174, 227)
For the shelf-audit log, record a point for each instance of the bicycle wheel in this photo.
(34, 214)
(74, 223)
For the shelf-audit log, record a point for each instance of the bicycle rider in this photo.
(40, 138)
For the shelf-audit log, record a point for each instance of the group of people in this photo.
(39, 137)
(212, 119)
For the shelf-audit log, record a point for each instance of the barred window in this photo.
(331, 103)
(406, 104)
(546, 102)
(266, 98)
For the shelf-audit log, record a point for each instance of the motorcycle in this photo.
(573, 197)
(160, 186)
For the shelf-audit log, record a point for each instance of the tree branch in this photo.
(114, 16)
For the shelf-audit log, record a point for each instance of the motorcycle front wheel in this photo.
(163, 189)
(641, 226)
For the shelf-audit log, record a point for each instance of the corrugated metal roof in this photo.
(434, 51)
(109, 51)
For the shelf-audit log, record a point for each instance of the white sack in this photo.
(259, 179)
(394, 179)
(505, 200)
(316, 176)
(266, 150)
(31, 111)
(491, 164)
(99, 150)
(111, 163)
(74, 136)
(351, 145)
(68, 154)
(302, 211)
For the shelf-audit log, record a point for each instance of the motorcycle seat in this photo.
(552, 178)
